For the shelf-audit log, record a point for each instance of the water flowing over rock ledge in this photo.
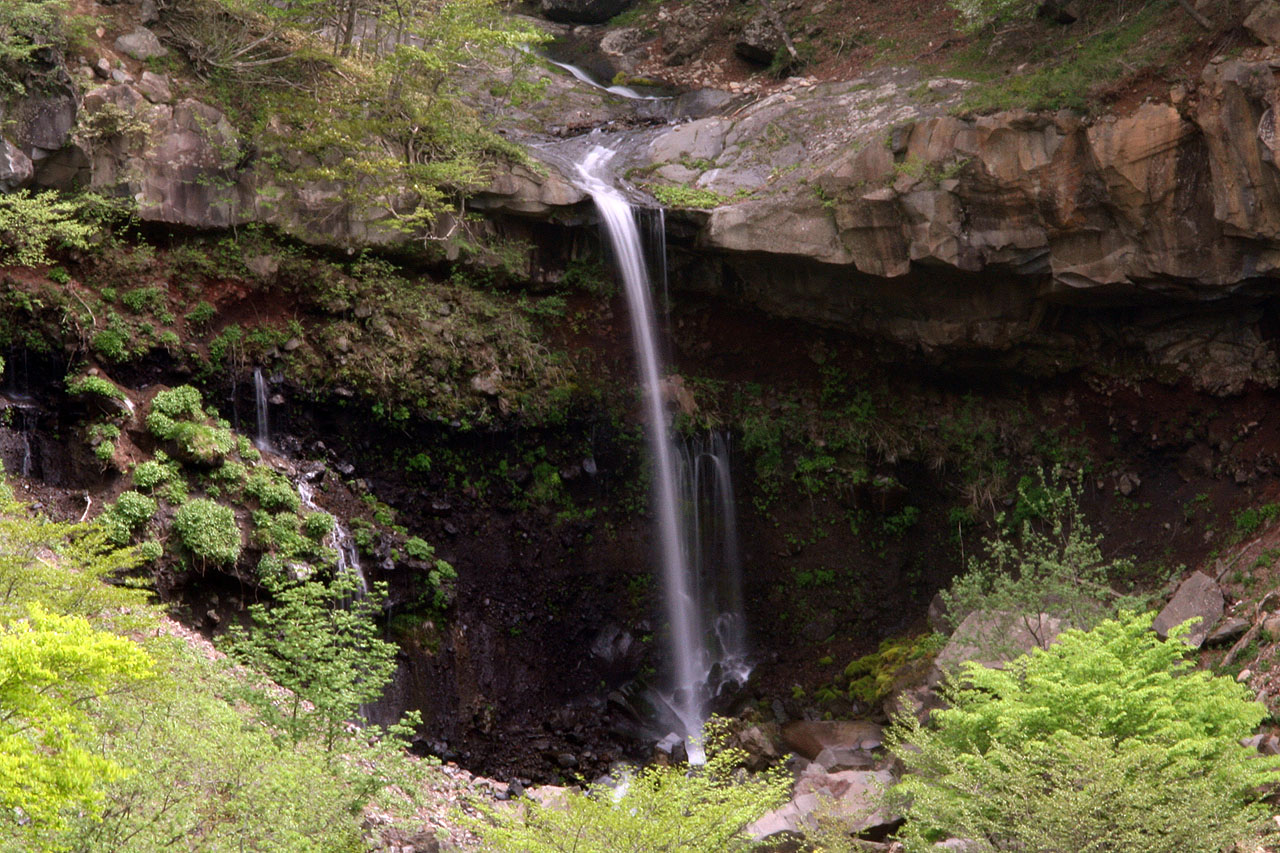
(863, 205)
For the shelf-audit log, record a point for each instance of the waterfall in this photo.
(260, 394)
(341, 542)
(715, 562)
(696, 653)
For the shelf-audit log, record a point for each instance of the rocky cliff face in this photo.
(865, 205)
(868, 206)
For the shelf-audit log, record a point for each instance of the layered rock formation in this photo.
(865, 205)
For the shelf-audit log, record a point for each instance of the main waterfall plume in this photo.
(704, 644)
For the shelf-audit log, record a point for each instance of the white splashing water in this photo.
(705, 644)
(620, 91)
(339, 539)
(260, 400)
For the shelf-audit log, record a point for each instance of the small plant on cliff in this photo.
(658, 810)
(209, 531)
(1108, 740)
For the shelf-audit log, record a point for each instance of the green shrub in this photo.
(111, 344)
(317, 525)
(872, 677)
(143, 299)
(419, 549)
(150, 551)
(208, 530)
(93, 385)
(272, 489)
(232, 473)
(150, 474)
(130, 511)
(179, 403)
(1108, 740)
(200, 316)
(1053, 566)
(31, 224)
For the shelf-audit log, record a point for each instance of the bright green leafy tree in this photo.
(1106, 741)
(50, 666)
(321, 642)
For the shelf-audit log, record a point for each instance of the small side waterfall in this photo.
(340, 540)
(702, 642)
(260, 399)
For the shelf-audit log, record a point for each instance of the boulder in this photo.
(833, 759)
(583, 11)
(15, 167)
(993, 638)
(851, 798)
(759, 40)
(811, 737)
(155, 88)
(1263, 22)
(141, 44)
(1229, 630)
(1197, 597)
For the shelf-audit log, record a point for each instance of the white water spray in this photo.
(340, 540)
(260, 400)
(705, 645)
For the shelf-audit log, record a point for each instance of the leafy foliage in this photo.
(30, 225)
(1094, 744)
(26, 26)
(656, 810)
(1054, 565)
(208, 530)
(130, 511)
(321, 642)
(50, 665)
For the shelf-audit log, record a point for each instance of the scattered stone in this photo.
(141, 44)
(1128, 483)
(121, 76)
(993, 638)
(148, 13)
(759, 40)
(292, 344)
(488, 384)
(1230, 629)
(938, 618)
(670, 750)
(566, 760)
(1271, 626)
(1197, 597)
(833, 759)
(853, 797)
(343, 343)
(363, 311)
(1245, 675)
